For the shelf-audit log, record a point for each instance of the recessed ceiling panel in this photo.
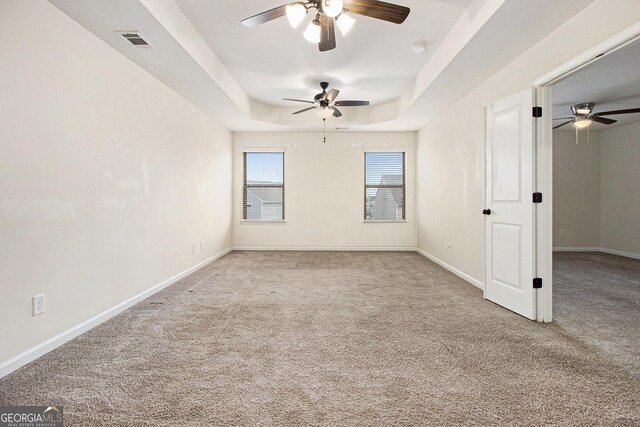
(374, 61)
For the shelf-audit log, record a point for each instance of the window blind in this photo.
(384, 186)
(263, 186)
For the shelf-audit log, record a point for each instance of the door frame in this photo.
(543, 161)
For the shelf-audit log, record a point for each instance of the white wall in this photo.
(106, 177)
(620, 175)
(450, 150)
(324, 192)
(576, 190)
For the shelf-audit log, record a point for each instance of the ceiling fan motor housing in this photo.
(320, 97)
(582, 109)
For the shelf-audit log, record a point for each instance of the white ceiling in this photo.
(238, 75)
(272, 61)
(611, 83)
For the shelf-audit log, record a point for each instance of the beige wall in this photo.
(596, 199)
(450, 150)
(324, 192)
(620, 174)
(106, 177)
(576, 190)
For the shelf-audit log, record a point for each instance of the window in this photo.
(263, 186)
(384, 187)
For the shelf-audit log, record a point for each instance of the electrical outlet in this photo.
(38, 304)
(561, 232)
(307, 234)
(447, 246)
(201, 245)
(193, 248)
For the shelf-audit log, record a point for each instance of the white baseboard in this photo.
(602, 250)
(328, 248)
(576, 249)
(45, 347)
(620, 253)
(475, 282)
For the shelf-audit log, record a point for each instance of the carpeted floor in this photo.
(332, 338)
(596, 297)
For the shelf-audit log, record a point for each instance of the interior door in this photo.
(509, 208)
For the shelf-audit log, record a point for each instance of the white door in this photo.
(509, 204)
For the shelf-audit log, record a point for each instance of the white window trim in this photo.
(263, 150)
(403, 150)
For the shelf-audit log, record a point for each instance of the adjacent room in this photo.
(320, 212)
(596, 198)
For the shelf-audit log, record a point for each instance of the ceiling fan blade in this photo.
(327, 33)
(332, 95)
(336, 112)
(306, 109)
(603, 120)
(611, 113)
(351, 103)
(378, 9)
(298, 100)
(562, 124)
(267, 16)
(564, 118)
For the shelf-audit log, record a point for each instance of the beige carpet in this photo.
(336, 339)
(596, 297)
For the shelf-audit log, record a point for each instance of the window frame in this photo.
(403, 186)
(246, 186)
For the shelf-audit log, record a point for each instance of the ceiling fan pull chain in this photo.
(577, 136)
(324, 130)
(588, 134)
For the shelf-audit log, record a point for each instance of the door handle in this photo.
(486, 212)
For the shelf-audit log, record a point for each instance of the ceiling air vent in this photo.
(136, 39)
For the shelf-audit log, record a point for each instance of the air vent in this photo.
(136, 39)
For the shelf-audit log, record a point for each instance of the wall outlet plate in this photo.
(38, 304)
(193, 248)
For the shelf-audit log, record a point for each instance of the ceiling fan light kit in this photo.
(296, 12)
(582, 122)
(324, 112)
(345, 23)
(312, 33)
(328, 14)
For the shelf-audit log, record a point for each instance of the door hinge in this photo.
(537, 283)
(537, 197)
(537, 112)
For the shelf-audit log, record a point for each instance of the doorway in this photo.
(595, 221)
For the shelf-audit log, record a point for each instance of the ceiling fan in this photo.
(325, 103)
(328, 14)
(583, 116)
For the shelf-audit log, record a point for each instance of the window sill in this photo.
(262, 221)
(374, 221)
